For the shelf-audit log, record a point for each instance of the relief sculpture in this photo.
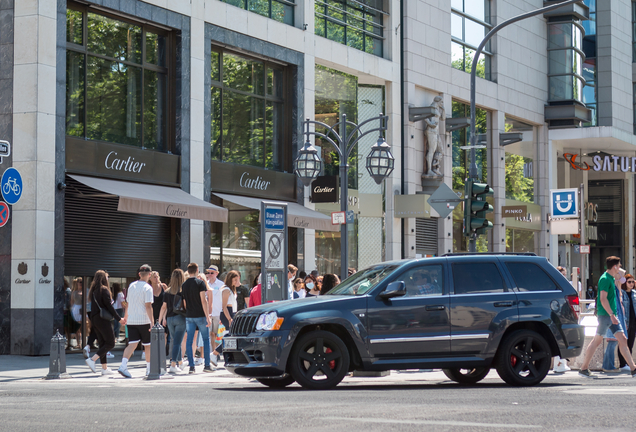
(434, 134)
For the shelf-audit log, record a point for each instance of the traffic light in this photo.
(476, 208)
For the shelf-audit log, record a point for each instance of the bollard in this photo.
(57, 358)
(157, 352)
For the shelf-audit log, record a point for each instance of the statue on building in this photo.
(434, 148)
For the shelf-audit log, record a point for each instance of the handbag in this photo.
(177, 305)
(103, 313)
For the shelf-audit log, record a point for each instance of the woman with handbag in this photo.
(102, 313)
(173, 315)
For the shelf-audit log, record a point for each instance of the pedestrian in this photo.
(215, 285)
(299, 286)
(118, 295)
(351, 271)
(256, 298)
(311, 286)
(242, 296)
(102, 301)
(175, 322)
(563, 271)
(228, 296)
(197, 318)
(628, 294)
(139, 318)
(291, 275)
(329, 281)
(319, 280)
(76, 308)
(606, 306)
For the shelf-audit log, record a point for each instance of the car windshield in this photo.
(363, 281)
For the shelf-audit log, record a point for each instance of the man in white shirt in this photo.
(138, 318)
(291, 274)
(215, 305)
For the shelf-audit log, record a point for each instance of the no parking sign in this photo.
(4, 213)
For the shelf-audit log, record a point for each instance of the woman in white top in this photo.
(228, 296)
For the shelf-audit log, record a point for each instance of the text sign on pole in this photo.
(584, 249)
(564, 203)
(274, 251)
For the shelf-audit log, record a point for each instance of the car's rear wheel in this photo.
(467, 376)
(277, 382)
(319, 360)
(523, 358)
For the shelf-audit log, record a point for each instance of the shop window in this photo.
(248, 109)
(355, 23)
(279, 10)
(470, 22)
(520, 240)
(530, 277)
(117, 80)
(520, 163)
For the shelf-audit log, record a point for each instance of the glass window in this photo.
(358, 24)
(474, 278)
(279, 10)
(117, 81)
(519, 240)
(470, 22)
(530, 277)
(363, 281)
(424, 281)
(519, 163)
(247, 111)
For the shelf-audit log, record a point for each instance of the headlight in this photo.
(269, 321)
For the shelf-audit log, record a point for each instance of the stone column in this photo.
(33, 216)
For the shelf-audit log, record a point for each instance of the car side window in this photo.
(424, 281)
(530, 277)
(478, 277)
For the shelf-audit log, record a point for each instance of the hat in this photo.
(213, 267)
(145, 268)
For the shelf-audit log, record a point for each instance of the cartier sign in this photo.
(324, 189)
(252, 181)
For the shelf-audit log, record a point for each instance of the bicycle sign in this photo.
(11, 186)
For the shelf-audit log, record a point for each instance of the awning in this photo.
(156, 200)
(297, 216)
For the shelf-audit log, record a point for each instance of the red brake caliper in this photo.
(332, 363)
(513, 360)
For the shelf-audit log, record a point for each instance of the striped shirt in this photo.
(139, 293)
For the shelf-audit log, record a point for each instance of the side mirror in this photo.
(394, 289)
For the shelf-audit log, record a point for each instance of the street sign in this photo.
(5, 149)
(11, 186)
(444, 200)
(274, 251)
(584, 249)
(338, 218)
(274, 219)
(564, 226)
(564, 203)
(274, 244)
(4, 214)
(349, 216)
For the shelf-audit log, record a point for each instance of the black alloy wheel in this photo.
(277, 383)
(319, 360)
(467, 376)
(523, 358)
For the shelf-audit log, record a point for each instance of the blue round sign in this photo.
(11, 185)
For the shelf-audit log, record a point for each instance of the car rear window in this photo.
(474, 278)
(530, 277)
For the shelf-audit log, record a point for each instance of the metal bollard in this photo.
(157, 352)
(57, 358)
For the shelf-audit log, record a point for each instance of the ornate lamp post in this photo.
(380, 162)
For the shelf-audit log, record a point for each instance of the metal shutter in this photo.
(97, 236)
(426, 236)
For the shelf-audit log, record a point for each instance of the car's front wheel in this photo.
(467, 376)
(278, 383)
(523, 358)
(319, 360)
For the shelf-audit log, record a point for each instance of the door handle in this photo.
(435, 307)
(504, 304)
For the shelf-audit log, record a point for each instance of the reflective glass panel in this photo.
(216, 123)
(242, 129)
(74, 94)
(74, 26)
(457, 29)
(114, 38)
(155, 116)
(155, 49)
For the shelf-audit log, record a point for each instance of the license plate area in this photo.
(229, 343)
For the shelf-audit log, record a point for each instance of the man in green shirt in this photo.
(606, 312)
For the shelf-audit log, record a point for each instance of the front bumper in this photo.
(257, 355)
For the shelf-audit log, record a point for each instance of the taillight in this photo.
(573, 301)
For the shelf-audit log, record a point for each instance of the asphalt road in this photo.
(400, 402)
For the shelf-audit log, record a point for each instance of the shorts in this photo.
(215, 325)
(604, 323)
(138, 333)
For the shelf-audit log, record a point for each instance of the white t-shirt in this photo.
(119, 300)
(139, 293)
(290, 289)
(302, 293)
(217, 300)
(231, 300)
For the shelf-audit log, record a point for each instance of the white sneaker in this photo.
(183, 366)
(86, 351)
(198, 362)
(124, 372)
(625, 369)
(110, 355)
(91, 364)
(214, 359)
(107, 371)
(143, 355)
(174, 370)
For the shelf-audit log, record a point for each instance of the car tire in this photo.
(470, 376)
(277, 383)
(319, 360)
(523, 358)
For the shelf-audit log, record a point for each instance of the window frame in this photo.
(169, 70)
(486, 52)
(269, 2)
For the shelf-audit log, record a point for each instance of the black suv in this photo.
(462, 313)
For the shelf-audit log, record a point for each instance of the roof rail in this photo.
(489, 253)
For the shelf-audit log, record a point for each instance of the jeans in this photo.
(193, 324)
(177, 328)
(608, 356)
(116, 325)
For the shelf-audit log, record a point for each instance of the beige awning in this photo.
(156, 200)
(297, 216)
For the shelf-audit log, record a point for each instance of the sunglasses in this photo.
(630, 281)
(209, 272)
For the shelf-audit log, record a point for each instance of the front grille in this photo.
(243, 324)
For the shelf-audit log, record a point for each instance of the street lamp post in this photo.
(380, 162)
(472, 173)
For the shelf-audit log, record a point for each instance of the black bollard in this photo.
(57, 358)
(157, 352)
